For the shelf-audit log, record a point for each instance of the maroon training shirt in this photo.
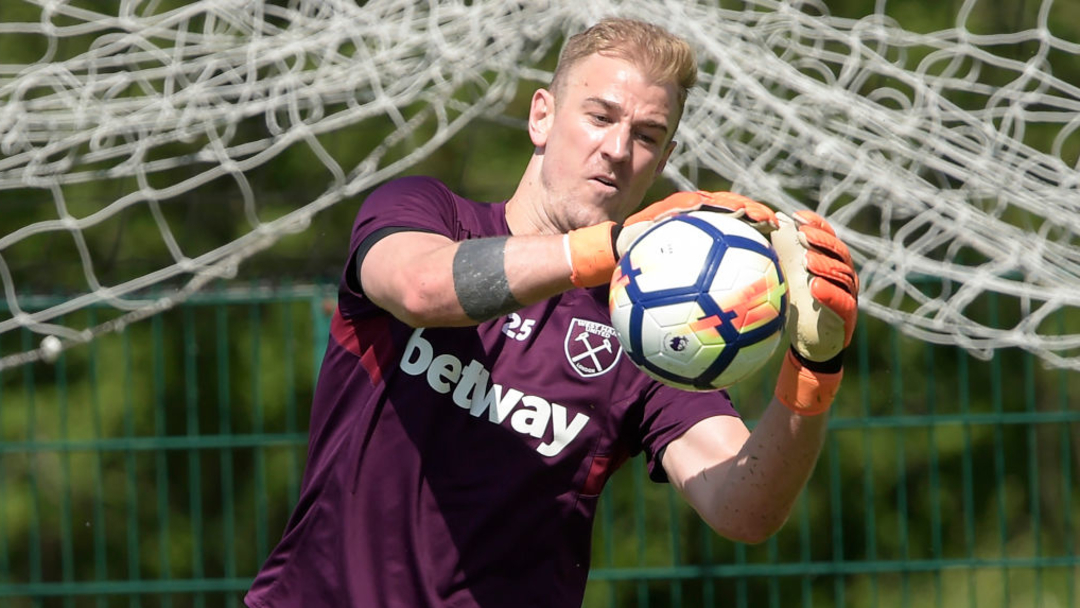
(460, 467)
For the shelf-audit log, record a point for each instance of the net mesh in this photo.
(946, 157)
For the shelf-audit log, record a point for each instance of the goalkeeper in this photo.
(473, 402)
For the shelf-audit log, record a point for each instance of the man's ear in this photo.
(541, 114)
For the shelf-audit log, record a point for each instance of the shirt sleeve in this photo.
(407, 204)
(668, 413)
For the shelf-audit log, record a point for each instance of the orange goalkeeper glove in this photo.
(593, 251)
(823, 290)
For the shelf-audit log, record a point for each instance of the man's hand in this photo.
(823, 290)
(593, 251)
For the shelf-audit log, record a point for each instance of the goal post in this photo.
(147, 145)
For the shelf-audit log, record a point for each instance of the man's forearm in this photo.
(776, 462)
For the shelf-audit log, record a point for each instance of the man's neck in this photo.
(525, 211)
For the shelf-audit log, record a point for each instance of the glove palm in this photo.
(822, 285)
(823, 290)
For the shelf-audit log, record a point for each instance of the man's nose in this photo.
(616, 144)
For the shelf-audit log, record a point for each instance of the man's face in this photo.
(606, 141)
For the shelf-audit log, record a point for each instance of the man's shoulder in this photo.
(414, 196)
(426, 188)
(418, 180)
(415, 183)
(428, 203)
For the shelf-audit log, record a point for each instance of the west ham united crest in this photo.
(591, 348)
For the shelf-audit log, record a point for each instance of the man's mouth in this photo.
(607, 181)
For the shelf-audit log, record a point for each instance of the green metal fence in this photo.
(157, 466)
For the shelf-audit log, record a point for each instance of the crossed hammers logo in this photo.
(590, 350)
(587, 357)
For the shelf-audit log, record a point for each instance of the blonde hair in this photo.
(663, 56)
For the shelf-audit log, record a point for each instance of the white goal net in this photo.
(945, 152)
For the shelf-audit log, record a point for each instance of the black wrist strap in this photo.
(830, 366)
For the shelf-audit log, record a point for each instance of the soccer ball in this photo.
(698, 301)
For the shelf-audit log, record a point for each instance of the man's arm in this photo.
(427, 280)
(744, 484)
